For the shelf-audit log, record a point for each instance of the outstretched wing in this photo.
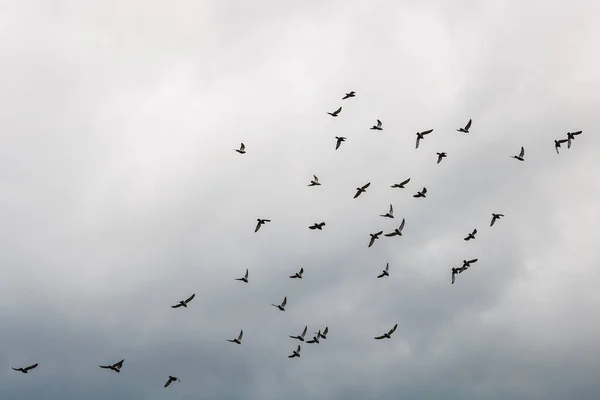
(240, 336)
(379, 337)
(468, 125)
(190, 298)
(427, 132)
(242, 147)
(101, 366)
(168, 382)
(119, 364)
(391, 209)
(402, 225)
(453, 276)
(424, 190)
(418, 140)
(284, 302)
(31, 367)
(405, 182)
(522, 153)
(257, 226)
(366, 185)
(393, 329)
(176, 305)
(378, 123)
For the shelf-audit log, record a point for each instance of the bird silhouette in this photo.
(374, 236)
(242, 149)
(388, 334)
(301, 336)
(238, 339)
(298, 275)
(115, 367)
(339, 140)
(385, 271)
(471, 235)
(362, 189)
(184, 303)
(336, 112)
(467, 264)
(26, 369)
(323, 335)
(389, 214)
(397, 231)
(401, 184)
(318, 226)
(314, 181)
(377, 127)
(296, 353)
(440, 156)
(348, 95)
(571, 136)
(421, 135)
(521, 156)
(557, 144)
(171, 379)
(244, 278)
(260, 222)
(466, 128)
(315, 338)
(282, 305)
(422, 193)
(495, 217)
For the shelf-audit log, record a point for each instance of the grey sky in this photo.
(121, 195)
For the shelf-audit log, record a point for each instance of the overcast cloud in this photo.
(121, 195)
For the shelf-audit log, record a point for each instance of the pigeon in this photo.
(388, 334)
(467, 264)
(385, 271)
(471, 235)
(296, 353)
(495, 217)
(397, 231)
(335, 113)
(401, 184)
(348, 95)
(377, 127)
(171, 379)
(115, 367)
(282, 305)
(238, 339)
(440, 156)
(571, 136)
(24, 370)
(318, 226)
(244, 278)
(323, 335)
(260, 222)
(422, 193)
(557, 144)
(185, 302)
(315, 181)
(421, 135)
(315, 339)
(521, 155)
(298, 275)
(390, 214)
(466, 128)
(339, 139)
(373, 237)
(362, 189)
(300, 337)
(242, 149)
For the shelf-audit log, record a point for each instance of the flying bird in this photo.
(318, 226)
(390, 214)
(373, 237)
(348, 95)
(495, 217)
(466, 128)
(238, 339)
(397, 231)
(323, 335)
(440, 156)
(315, 339)
(242, 149)
(467, 264)
(557, 144)
(401, 184)
(171, 379)
(377, 127)
(457, 271)
(521, 156)
(471, 235)
(339, 140)
(115, 367)
(260, 222)
(244, 278)
(388, 334)
(282, 305)
(300, 337)
(385, 271)
(314, 181)
(421, 135)
(296, 353)
(422, 193)
(24, 370)
(362, 189)
(298, 275)
(571, 136)
(185, 302)
(336, 112)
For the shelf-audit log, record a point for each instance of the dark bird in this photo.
(348, 95)
(385, 271)
(390, 214)
(457, 271)
(521, 156)
(471, 235)
(282, 305)
(314, 181)
(296, 353)
(397, 231)
(336, 112)
(318, 226)
(422, 193)
(401, 184)
(387, 335)
(238, 339)
(378, 126)
(571, 136)
(115, 367)
(260, 222)
(495, 217)
(323, 335)
(171, 379)
(467, 264)
(244, 278)
(242, 149)
(440, 156)
(300, 337)
(557, 144)
(466, 128)
(362, 189)
(339, 139)
(421, 135)
(24, 370)
(185, 302)
(315, 339)
(373, 237)
(298, 275)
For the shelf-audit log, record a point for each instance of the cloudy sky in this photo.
(121, 195)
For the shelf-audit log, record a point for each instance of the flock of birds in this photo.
(322, 334)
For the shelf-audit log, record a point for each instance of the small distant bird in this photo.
(362, 189)
(385, 271)
(471, 235)
(421, 135)
(389, 214)
(298, 275)
(557, 144)
(422, 193)
(388, 334)
(397, 231)
(373, 237)
(318, 226)
(238, 339)
(115, 367)
(323, 335)
(315, 339)
(315, 181)
(377, 127)
(467, 264)
(495, 217)
(335, 113)
(171, 379)
(244, 278)
(185, 302)
(242, 149)
(296, 353)
(300, 337)
(571, 136)
(339, 139)
(282, 305)
(260, 222)
(466, 128)
(401, 184)
(24, 370)
(457, 271)
(440, 156)
(521, 156)
(348, 95)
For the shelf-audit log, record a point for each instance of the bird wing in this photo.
(473, 260)
(168, 382)
(336, 112)
(418, 140)
(304, 331)
(378, 233)
(405, 182)
(312, 227)
(378, 123)
(380, 276)
(31, 367)
(246, 276)
(391, 209)
(424, 190)
(301, 270)
(453, 276)
(101, 366)
(315, 178)
(176, 306)
(468, 125)
(427, 132)
(366, 185)
(119, 364)
(190, 298)
(372, 241)
(240, 336)
(357, 193)
(379, 337)
(493, 220)
(326, 331)
(522, 153)
(401, 225)
(576, 133)
(243, 147)
(393, 329)
(337, 145)
(390, 234)
(257, 226)
(284, 302)
(298, 349)
(474, 231)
